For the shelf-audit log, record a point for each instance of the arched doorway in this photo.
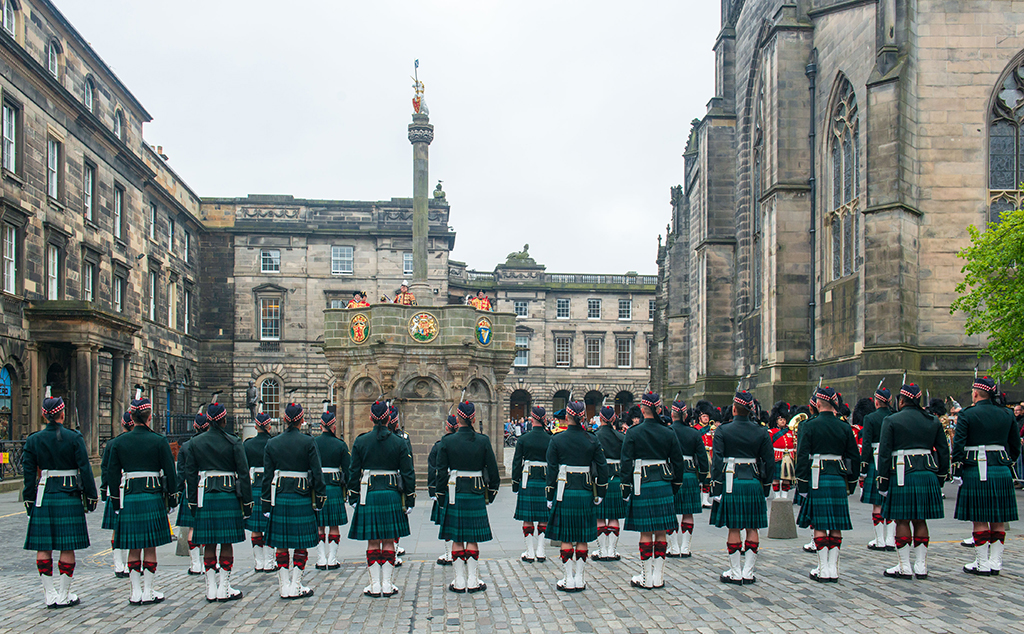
(56, 378)
(519, 404)
(8, 384)
(623, 401)
(559, 400)
(592, 400)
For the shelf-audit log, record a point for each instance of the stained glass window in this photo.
(845, 157)
(847, 244)
(837, 248)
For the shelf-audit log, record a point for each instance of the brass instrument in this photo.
(794, 423)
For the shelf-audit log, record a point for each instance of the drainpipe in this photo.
(811, 70)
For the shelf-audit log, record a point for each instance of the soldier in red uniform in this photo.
(784, 445)
(481, 301)
(404, 297)
(358, 300)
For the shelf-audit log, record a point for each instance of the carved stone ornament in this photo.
(421, 133)
(265, 212)
(423, 327)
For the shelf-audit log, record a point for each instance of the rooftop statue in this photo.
(520, 257)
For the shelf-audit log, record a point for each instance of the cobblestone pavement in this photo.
(521, 597)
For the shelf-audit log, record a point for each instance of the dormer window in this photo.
(88, 95)
(9, 17)
(119, 125)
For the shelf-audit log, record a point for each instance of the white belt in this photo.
(278, 474)
(816, 461)
(453, 477)
(874, 450)
(901, 462)
(529, 464)
(610, 461)
(688, 458)
(364, 482)
(638, 471)
(982, 451)
(132, 475)
(45, 474)
(730, 470)
(253, 471)
(563, 476)
(204, 475)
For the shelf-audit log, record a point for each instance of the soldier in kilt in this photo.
(784, 443)
(653, 465)
(395, 427)
(382, 465)
(334, 461)
(59, 490)
(577, 480)
(827, 469)
(870, 436)
(612, 508)
(529, 468)
(435, 512)
(985, 446)
(703, 411)
(185, 519)
(109, 514)
(293, 490)
(143, 464)
(220, 498)
(467, 481)
(695, 474)
(913, 462)
(742, 469)
(263, 555)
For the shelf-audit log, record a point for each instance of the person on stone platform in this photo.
(450, 425)
(395, 426)
(185, 520)
(220, 498)
(577, 481)
(742, 469)
(263, 555)
(913, 462)
(695, 474)
(613, 507)
(885, 532)
(784, 444)
(293, 491)
(335, 462)
(827, 471)
(481, 301)
(106, 493)
(143, 464)
(382, 465)
(653, 465)
(985, 446)
(704, 411)
(467, 480)
(404, 297)
(59, 490)
(358, 300)
(529, 475)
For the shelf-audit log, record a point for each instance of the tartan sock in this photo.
(527, 530)
(335, 539)
(566, 554)
(996, 536)
(733, 546)
(614, 530)
(902, 540)
(191, 546)
(876, 518)
(226, 563)
(299, 558)
(646, 550)
(775, 486)
(660, 549)
(786, 486)
(371, 557)
(920, 541)
(387, 557)
(323, 536)
(749, 545)
(149, 565)
(821, 543)
(475, 554)
(581, 554)
(458, 554)
(670, 531)
(210, 563)
(541, 528)
(835, 541)
(135, 565)
(66, 568)
(257, 539)
(686, 527)
(112, 542)
(981, 537)
(45, 567)
(282, 558)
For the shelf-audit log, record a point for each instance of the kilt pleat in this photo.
(59, 524)
(257, 522)
(142, 522)
(532, 501)
(745, 507)
(991, 501)
(653, 509)
(382, 517)
(687, 499)
(920, 498)
(435, 513)
(220, 520)
(574, 519)
(185, 519)
(827, 508)
(466, 520)
(333, 513)
(869, 494)
(109, 516)
(612, 507)
(292, 522)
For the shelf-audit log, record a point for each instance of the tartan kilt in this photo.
(142, 522)
(466, 520)
(613, 507)
(653, 510)
(745, 507)
(435, 514)
(532, 502)
(257, 523)
(333, 513)
(109, 516)
(574, 519)
(869, 494)
(920, 498)
(687, 500)
(185, 519)
(220, 520)
(59, 524)
(382, 517)
(992, 501)
(292, 522)
(827, 507)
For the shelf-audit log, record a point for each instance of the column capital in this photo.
(420, 131)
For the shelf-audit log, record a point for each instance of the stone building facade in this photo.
(826, 193)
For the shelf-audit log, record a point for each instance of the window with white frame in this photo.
(89, 95)
(118, 212)
(119, 125)
(188, 246)
(270, 261)
(119, 285)
(188, 311)
(650, 309)
(88, 281)
(270, 319)
(11, 116)
(89, 192)
(172, 305)
(10, 17)
(152, 221)
(593, 348)
(407, 263)
(10, 258)
(650, 352)
(170, 234)
(562, 308)
(152, 295)
(593, 308)
(624, 353)
(337, 303)
(625, 310)
(52, 272)
(53, 167)
(270, 394)
(53, 59)
(522, 351)
(563, 351)
(521, 308)
(342, 260)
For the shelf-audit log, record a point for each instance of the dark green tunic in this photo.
(254, 450)
(226, 500)
(993, 500)
(465, 520)
(574, 519)
(108, 489)
(653, 508)
(292, 522)
(185, 518)
(333, 454)
(142, 522)
(745, 506)
(531, 504)
(827, 508)
(691, 443)
(383, 516)
(613, 507)
(59, 524)
(869, 436)
(920, 496)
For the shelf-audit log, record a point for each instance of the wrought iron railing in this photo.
(14, 453)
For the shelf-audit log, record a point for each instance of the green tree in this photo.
(991, 296)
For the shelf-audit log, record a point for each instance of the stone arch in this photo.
(270, 368)
(519, 403)
(592, 400)
(361, 393)
(423, 387)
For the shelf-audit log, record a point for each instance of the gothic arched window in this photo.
(843, 218)
(1005, 146)
(757, 190)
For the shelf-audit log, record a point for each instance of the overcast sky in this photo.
(557, 123)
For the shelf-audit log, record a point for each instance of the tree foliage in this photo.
(991, 296)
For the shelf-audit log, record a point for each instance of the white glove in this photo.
(266, 515)
(717, 498)
(958, 481)
(408, 511)
(884, 494)
(550, 504)
(597, 501)
(433, 499)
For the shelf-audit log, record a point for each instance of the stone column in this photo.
(36, 378)
(117, 366)
(86, 392)
(421, 133)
